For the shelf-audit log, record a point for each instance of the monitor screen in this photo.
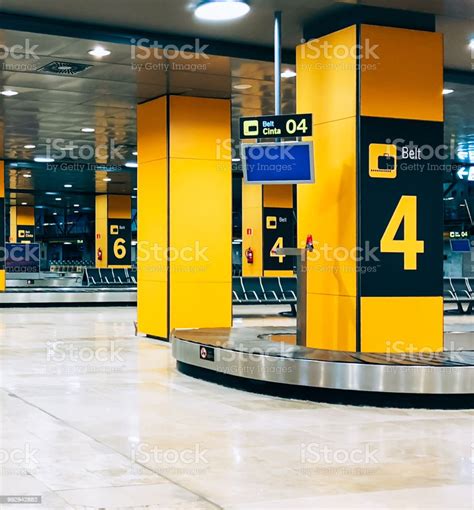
(22, 258)
(278, 163)
(461, 245)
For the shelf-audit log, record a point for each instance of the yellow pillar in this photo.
(22, 224)
(113, 223)
(2, 227)
(267, 220)
(366, 110)
(185, 215)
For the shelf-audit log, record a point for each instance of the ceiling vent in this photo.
(63, 68)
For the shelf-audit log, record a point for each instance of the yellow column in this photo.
(22, 224)
(361, 105)
(2, 227)
(257, 201)
(113, 243)
(185, 215)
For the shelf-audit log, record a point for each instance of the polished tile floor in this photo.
(94, 417)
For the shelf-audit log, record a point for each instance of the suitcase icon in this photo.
(386, 162)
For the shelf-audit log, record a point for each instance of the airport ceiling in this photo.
(104, 96)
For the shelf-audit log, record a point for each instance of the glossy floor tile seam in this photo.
(104, 445)
(253, 442)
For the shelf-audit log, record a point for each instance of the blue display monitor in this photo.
(461, 245)
(278, 163)
(22, 258)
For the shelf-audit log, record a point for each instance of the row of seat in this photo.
(106, 277)
(252, 290)
(459, 291)
(273, 290)
(70, 266)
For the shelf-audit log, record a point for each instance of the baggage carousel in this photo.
(68, 296)
(265, 360)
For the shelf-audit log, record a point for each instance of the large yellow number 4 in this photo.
(410, 246)
(278, 244)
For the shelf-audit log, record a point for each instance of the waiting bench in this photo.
(108, 277)
(459, 291)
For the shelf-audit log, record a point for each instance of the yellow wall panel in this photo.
(152, 129)
(198, 212)
(13, 224)
(328, 209)
(252, 215)
(152, 235)
(327, 87)
(119, 207)
(101, 229)
(404, 74)
(200, 304)
(278, 195)
(401, 324)
(20, 215)
(25, 216)
(200, 221)
(200, 128)
(331, 322)
(152, 305)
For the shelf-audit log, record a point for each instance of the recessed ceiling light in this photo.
(288, 73)
(58, 199)
(131, 164)
(9, 93)
(133, 196)
(43, 159)
(242, 86)
(447, 91)
(135, 153)
(27, 176)
(76, 212)
(24, 203)
(106, 179)
(99, 52)
(67, 242)
(135, 189)
(30, 146)
(68, 185)
(235, 160)
(55, 213)
(76, 205)
(87, 130)
(221, 10)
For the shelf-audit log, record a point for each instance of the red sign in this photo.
(249, 231)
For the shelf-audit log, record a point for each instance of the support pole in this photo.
(277, 49)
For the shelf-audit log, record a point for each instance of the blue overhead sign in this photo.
(278, 163)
